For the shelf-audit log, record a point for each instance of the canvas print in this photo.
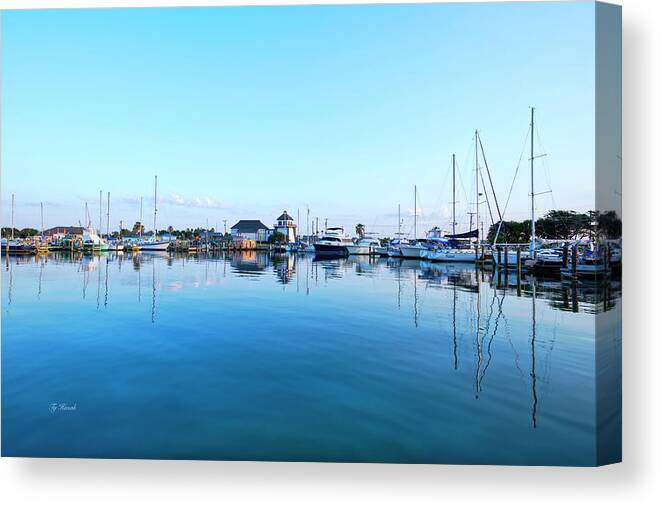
(350, 233)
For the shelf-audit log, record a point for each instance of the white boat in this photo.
(451, 255)
(333, 242)
(153, 245)
(364, 246)
(92, 241)
(416, 250)
(381, 250)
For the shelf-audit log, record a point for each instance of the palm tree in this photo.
(360, 230)
(138, 228)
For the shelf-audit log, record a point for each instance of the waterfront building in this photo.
(253, 230)
(286, 226)
(57, 233)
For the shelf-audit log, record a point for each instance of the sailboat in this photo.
(511, 257)
(114, 244)
(92, 242)
(415, 249)
(13, 246)
(448, 252)
(154, 244)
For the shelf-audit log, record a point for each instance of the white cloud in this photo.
(203, 201)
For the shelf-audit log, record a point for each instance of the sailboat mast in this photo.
(399, 221)
(415, 212)
(155, 188)
(108, 217)
(532, 180)
(477, 192)
(12, 216)
(454, 199)
(41, 204)
(100, 211)
(307, 223)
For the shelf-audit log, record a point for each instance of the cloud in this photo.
(197, 201)
(38, 204)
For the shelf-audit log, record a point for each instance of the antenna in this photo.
(12, 216)
(415, 212)
(477, 193)
(155, 185)
(532, 181)
(454, 198)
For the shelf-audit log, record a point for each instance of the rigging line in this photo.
(547, 170)
(493, 335)
(461, 180)
(484, 157)
(445, 180)
(516, 172)
(486, 196)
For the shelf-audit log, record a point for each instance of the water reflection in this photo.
(440, 333)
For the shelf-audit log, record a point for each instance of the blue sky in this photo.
(243, 112)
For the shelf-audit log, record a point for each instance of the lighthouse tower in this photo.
(286, 226)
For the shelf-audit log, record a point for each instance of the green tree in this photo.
(608, 224)
(28, 232)
(511, 232)
(277, 238)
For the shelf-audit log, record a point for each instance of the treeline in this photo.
(22, 233)
(568, 225)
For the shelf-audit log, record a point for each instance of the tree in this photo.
(511, 232)
(6, 232)
(609, 225)
(563, 225)
(170, 229)
(360, 230)
(28, 232)
(277, 238)
(138, 228)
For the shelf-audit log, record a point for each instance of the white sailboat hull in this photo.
(154, 246)
(413, 251)
(451, 255)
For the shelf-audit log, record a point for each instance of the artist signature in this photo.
(56, 407)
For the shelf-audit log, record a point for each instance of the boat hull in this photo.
(330, 250)
(415, 252)
(355, 249)
(463, 256)
(155, 246)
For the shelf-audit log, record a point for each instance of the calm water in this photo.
(254, 357)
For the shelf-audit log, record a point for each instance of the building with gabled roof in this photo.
(253, 230)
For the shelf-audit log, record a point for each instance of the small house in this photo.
(253, 230)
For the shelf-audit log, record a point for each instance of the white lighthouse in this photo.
(286, 226)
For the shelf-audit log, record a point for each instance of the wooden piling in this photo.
(518, 271)
(574, 260)
(506, 259)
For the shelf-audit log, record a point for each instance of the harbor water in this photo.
(256, 356)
